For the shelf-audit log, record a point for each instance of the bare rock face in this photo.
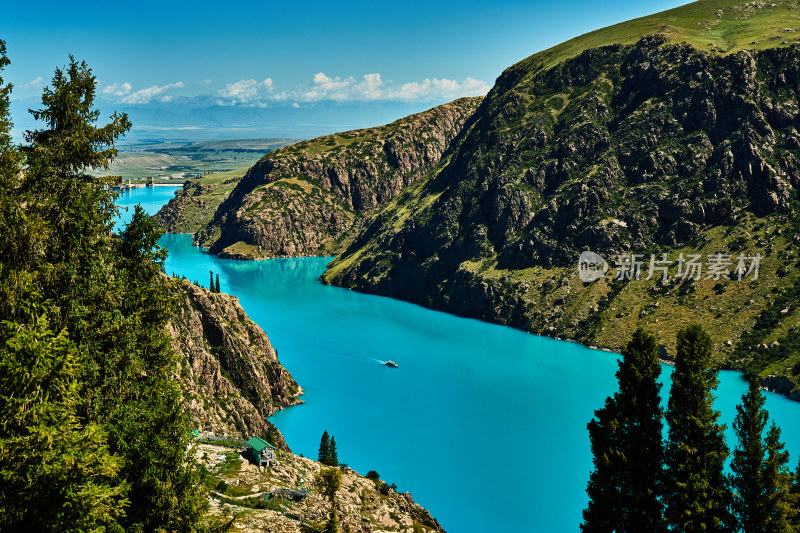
(362, 505)
(306, 199)
(231, 374)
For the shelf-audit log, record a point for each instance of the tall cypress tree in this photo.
(333, 456)
(324, 448)
(780, 510)
(697, 497)
(625, 487)
(748, 460)
(217, 287)
(211, 281)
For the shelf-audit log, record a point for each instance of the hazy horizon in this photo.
(202, 70)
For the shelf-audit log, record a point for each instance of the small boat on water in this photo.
(390, 363)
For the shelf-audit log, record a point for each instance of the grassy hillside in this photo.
(721, 26)
(194, 207)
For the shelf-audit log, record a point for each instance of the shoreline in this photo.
(776, 389)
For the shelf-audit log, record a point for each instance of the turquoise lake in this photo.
(484, 425)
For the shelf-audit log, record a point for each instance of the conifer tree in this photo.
(211, 282)
(56, 473)
(116, 413)
(324, 448)
(16, 235)
(217, 288)
(748, 460)
(794, 496)
(626, 484)
(333, 457)
(328, 481)
(780, 510)
(697, 497)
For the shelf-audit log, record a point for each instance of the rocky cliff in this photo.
(363, 505)
(195, 204)
(230, 372)
(306, 199)
(652, 147)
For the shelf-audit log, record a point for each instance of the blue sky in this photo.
(253, 69)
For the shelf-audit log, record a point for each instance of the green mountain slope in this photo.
(643, 145)
(308, 198)
(720, 26)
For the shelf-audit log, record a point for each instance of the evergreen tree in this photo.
(748, 461)
(56, 474)
(16, 234)
(328, 481)
(324, 448)
(211, 282)
(217, 289)
(626, 484)
(333, 457)
(780, 510)
(110, 409)
(696, 496)
(794, 496)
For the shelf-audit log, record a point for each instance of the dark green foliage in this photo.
(217, 287)
(324, 448)
(373, 475)
(332, 525)
(626, 484)
(94, 433)
(333, 459)
(748, 460)
(211, 285)
(763, 499)
(55, 472)
(780, 507)
(327, 450)
(794, 496)
(328, 481)
(696, 496)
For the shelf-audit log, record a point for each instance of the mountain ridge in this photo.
(308, 198)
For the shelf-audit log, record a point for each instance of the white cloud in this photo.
(118, 89)
(321, 88)
(373, 87)
(35, 82)
(144, 96)
(246, 91)
(442, 88)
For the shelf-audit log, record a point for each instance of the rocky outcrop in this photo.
(195, 204)
(231, 375)
(308, 198)
(363, 505)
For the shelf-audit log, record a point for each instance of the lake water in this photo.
(484, 425)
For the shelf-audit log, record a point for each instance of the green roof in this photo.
(259, 444)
